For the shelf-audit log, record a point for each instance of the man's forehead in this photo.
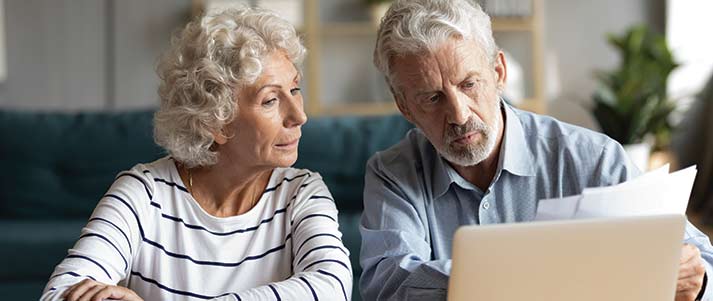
(451, 59)
(414, 66)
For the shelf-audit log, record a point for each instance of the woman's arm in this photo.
(107, 243)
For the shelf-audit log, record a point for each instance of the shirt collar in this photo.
(516, 157)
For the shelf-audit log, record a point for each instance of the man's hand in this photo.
(690, 274)
(89, 290)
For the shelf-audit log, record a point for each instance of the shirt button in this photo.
(486, 205)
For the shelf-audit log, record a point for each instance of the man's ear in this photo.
(401, 104)
(501, 71)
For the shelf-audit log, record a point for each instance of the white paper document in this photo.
(656, 192)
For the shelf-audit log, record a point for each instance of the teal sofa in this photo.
(55, 166)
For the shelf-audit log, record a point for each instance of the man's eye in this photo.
(468, 85)
(434, 98)
(295, 91)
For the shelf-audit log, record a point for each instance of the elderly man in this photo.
(473, 159)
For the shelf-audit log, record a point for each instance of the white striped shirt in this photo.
(149, 234)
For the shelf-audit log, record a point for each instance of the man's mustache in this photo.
(454, 132)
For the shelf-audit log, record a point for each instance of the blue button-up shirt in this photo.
(414, 200)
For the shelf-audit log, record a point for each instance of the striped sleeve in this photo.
(108, 242)
(321, 266)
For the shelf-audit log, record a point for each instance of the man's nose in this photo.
(458, 110)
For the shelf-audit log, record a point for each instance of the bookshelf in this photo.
(317, 32)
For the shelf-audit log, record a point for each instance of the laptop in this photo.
(633, 258)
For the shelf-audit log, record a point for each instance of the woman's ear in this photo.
(219, 137)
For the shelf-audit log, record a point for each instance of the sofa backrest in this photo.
(338, 148)
(58, 165)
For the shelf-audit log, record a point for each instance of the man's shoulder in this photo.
(546, 131)
(405, 157)
(594, 158)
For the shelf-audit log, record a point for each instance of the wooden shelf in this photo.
(364, 108)
(369, 28)
(532, 105)
(316, 32)
(389, 107)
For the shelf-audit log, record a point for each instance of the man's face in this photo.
(451, 94)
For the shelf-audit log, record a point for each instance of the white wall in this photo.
(575, 46)
(86, 54)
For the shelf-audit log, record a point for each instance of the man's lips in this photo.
(468, 138)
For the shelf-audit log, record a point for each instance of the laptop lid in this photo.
(634, 258)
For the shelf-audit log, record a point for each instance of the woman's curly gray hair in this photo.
(417, 26)
(208, 61)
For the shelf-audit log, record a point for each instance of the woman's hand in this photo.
(89, 290)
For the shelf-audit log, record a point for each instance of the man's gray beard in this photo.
(471, 154)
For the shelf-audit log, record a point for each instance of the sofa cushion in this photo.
(31, 249)
(22, 290)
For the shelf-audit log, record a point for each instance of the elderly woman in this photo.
(223, 217)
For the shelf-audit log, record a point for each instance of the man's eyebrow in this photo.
(471, 74)
(426, 92)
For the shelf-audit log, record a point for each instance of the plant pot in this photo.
(661, 158)
(377, 11)
(639, 154)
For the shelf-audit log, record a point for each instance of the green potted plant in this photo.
(631, 104)
(377, 9)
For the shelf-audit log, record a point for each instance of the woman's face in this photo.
(270, 113)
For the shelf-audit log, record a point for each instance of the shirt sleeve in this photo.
(395, 253)
(107, 243)
(321, 266)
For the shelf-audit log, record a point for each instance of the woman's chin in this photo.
(286, 160)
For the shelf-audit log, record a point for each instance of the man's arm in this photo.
(615, 167)
(395, 252)
(695, 237)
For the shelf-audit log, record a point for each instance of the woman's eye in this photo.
(269, 102)
(295, 91)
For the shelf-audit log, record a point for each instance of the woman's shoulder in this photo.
(162, 168)
(297, 183)
(291, 177)
(140, 180)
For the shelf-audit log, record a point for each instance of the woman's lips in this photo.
(288, 145)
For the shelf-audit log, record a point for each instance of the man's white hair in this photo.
(208, 62)
(419, 26)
